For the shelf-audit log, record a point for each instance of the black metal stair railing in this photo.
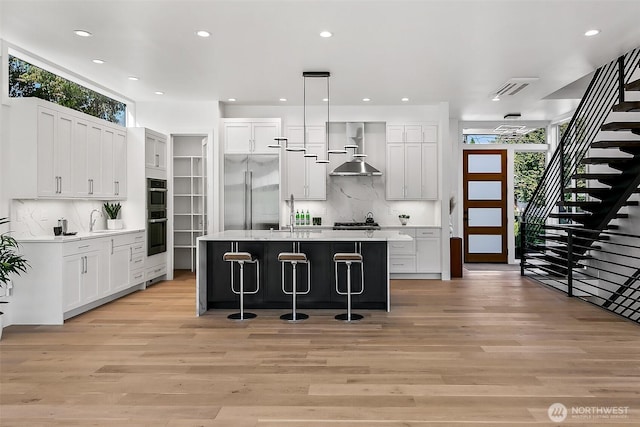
(605, 90)
(606, 275)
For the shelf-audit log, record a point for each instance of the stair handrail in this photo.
(605, 89)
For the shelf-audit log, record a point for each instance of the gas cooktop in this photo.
(356, 226)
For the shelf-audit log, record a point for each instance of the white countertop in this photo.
(80, 236)
(307, 235)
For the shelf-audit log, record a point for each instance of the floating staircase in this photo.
(587, 191)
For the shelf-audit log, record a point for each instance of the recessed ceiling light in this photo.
(325, 99)
(326, 34)
(231, 100)
(203, 33)
(134, 78)
(97, 61)
(366, 99)
(593, 32)
(283, 99)
(405, 99)
(159, 92)
(495, 98)
(82, 33)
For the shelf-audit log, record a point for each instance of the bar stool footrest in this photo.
(345, 317)
(238, 316)
(299, 316)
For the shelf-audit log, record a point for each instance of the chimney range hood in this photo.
(357, 166)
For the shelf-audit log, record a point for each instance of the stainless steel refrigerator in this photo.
(251, 191)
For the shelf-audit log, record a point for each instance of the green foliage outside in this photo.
(27, 80)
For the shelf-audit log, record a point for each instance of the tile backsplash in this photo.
(351, 198)
(38, 217)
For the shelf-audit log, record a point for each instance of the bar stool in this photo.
(241, 258)
(294, 258)
(348, 259)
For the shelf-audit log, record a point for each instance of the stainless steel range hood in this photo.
(355, 146)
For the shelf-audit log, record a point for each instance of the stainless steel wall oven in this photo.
(156, 216)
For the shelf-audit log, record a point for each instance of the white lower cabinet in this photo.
(421, 255)
(83, 272)
(69, 278)
(127, 256)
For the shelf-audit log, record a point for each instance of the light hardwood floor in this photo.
(492, 349)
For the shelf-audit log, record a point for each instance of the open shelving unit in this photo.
(189, 198)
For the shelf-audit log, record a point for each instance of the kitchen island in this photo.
(214, 275)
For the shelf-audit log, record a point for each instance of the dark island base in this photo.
(322, 294)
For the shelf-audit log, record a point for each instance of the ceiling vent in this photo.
(513, 87)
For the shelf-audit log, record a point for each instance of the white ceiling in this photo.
(427, 50)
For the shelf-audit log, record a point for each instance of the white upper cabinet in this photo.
(412, 133)
(54, 153)
(155, 151)
(306, 179)
(244, 136)
(120, 164)
(412, 162)
(62, 152)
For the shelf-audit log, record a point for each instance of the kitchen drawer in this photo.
(127, 239)
(137, 261)
(155, 271)
(136, 276)
(427, 232)
(402, 264)
(402, 248)
(82, 246)
(137, 248)
(408, 231)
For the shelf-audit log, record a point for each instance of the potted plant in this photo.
(112, 210)
(11, 262)
(404, 219)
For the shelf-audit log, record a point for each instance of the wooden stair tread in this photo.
(627, 107)
(570, 215)
(606, 160)
(617, 126)
(616, 144)
(632, 86)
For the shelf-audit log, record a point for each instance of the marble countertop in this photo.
(307, 235)
(80, 236)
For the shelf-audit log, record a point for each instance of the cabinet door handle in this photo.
(60, 185)
(157, 160)
(84, 264)
(130, 253)
(57, 185)
(111, 246)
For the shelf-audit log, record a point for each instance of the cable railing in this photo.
(600, 267)
(604, 91)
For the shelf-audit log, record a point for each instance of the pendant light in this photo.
(305, 76)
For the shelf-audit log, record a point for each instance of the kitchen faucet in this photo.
(91, 220)
(291, 214)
